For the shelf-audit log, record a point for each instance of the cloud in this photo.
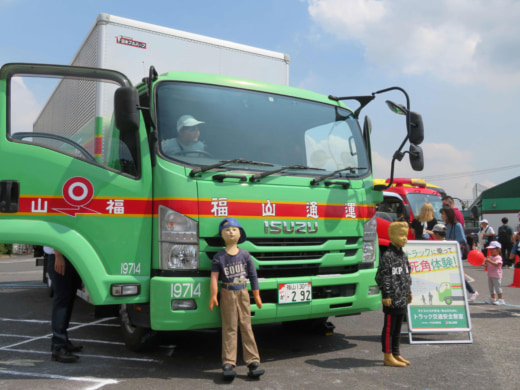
(24, 107)
(462, 42)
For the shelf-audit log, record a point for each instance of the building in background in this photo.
(497, 202)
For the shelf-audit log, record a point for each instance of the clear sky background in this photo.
(459, 61)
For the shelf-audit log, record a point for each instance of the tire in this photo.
(448, 301)
(135, 337)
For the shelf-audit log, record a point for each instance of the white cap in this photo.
(439, 228)
(484, 221)
(494, 244)
(187, 121)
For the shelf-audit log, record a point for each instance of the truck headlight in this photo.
(370, 240)
(179, 240)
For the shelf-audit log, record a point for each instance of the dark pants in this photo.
(391, 335)
(65, 287)
(506, 252)
(468, 287)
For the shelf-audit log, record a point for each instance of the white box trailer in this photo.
(131, 47)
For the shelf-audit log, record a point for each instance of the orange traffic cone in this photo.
(516, 276)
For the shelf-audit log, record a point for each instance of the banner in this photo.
(439, 295)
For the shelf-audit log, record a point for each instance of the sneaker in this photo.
(497, 302)
(501, 302)
(472, 296)
(492, 301)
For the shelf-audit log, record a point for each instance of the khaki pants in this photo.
(235, 309)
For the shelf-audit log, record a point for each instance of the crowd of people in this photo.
(499, 248)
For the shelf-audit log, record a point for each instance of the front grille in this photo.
(295, 261)
(292, 270)
(289, 256)
(288, 241)
(274, 241)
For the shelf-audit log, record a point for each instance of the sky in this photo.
(458, 60)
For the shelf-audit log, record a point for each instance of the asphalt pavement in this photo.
(350, 358)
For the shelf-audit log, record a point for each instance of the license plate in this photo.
(295, 292)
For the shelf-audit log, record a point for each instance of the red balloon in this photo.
(475, 257)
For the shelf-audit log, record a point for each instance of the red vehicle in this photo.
(404, 199)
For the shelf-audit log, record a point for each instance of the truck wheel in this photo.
(448, 301)
(135, 337)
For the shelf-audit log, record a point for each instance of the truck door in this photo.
(81, 185)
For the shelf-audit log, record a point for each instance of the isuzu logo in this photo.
(276, 227)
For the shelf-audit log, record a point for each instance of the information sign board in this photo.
(439, 295)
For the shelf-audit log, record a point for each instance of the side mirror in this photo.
(416, 157)
(126, 113)
(416, 130)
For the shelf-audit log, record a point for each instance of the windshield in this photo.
(204, 124)
(416, 201)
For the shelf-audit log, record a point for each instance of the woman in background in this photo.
(422, 226)
(454, 230)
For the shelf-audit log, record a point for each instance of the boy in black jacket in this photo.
(394, 281)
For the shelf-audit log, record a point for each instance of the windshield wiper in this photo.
(316, 180)
(258, 176)
(194, 171)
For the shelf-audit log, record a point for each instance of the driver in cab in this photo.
(187, 140)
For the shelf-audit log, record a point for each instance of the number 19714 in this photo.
(130, 268)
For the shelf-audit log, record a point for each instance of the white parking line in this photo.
(29, 339)
(48, 322)
(98, 383)
(147, 360)
(50, 334)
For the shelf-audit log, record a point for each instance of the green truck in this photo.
(87, 170)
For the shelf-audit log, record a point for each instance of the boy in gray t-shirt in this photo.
(234, 266)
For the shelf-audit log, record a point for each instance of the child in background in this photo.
(494, 265)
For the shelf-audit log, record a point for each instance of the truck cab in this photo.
(89, 173)
(404, 198)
